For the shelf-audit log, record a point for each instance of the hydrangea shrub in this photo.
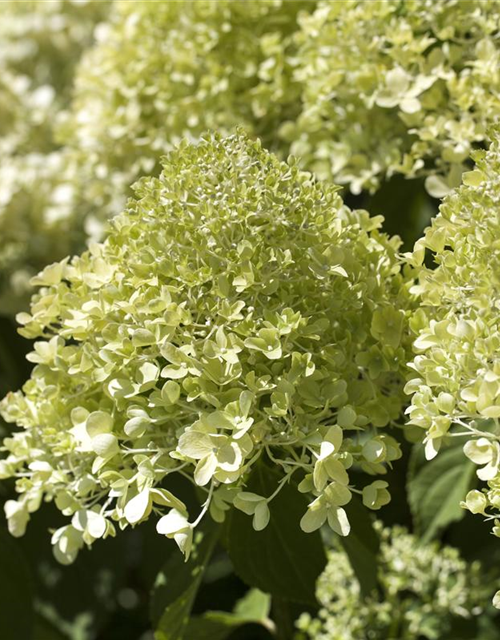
(394, 87)
(423, 587)
(40, 44)
(456, 366)
(236, 310)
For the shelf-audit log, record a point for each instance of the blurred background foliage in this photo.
(92, 93)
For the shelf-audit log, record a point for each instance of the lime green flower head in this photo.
(423, 588)
(389, 87)
(164, 71)
(40, 45)
(457, 365)
(231, 313)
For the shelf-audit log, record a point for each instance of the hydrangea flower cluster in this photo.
(457, 366)
(236, 310)
(40, 44)
(389, 87)
(422, 588)
(358, 90)
(161, 72)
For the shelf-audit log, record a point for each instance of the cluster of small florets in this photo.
(40, 44)
(395, 87)
(357, 90)
(457, 366)
(236, 310)
(165, 71)
(422, 588)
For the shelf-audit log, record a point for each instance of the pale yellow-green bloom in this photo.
(394, 88)
(425, 590)
(455, 387)
(223, 323)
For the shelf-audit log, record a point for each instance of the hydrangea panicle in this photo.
(422, 588)
(387, 88)
(237, 309)
(456, 380)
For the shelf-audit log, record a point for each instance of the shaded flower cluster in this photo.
(165, 71)
(457, 366)
(237, 309)
(423, 587)
(389, 87)
(357, 90)
(40, 45)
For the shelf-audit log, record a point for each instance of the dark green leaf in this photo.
(362, 546)
(16, 594)
(218, 625)
(281, 560)
(177, 585)
(436, 487)
(254, 606)
(87, 588)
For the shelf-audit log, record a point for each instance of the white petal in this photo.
(195, 444)
(105, 445)
(138, 507)
(172, 523)
(326, 449)
(205, 469)
(96, 524)
(229, 457)
(432, 448)
(488, 472)
(99, 422)
(320, 476)
(314, 517)
(17, 518)
(337, 519)
(261, 517)
(184, 540)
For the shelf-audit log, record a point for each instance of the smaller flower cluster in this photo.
(457, 366)
(237, 310)
(387, 87)
(423, 587)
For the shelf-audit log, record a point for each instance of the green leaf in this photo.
(255, 605)
(362, 546)
(16, 593)
(100, 574)
(218, 625)
(281, 559)
(436, 487)
(177, 585)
